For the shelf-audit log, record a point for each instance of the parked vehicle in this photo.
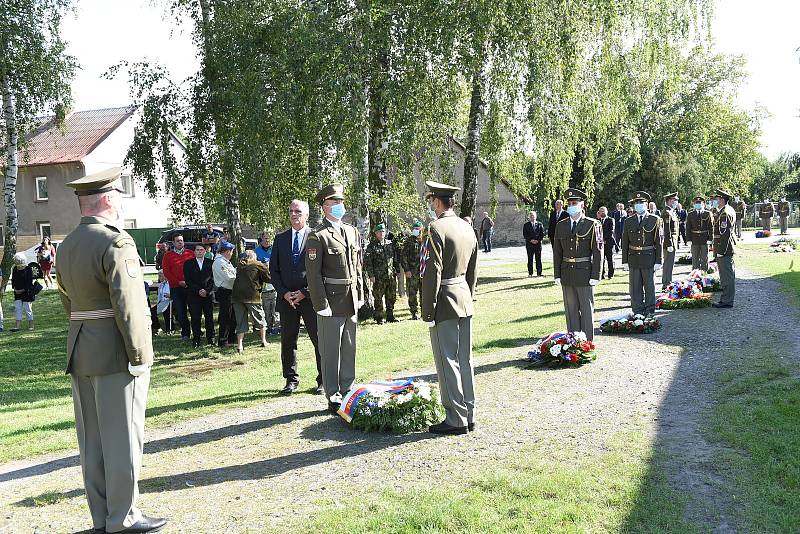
(192, 234)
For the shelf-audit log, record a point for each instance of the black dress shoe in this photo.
(378, 321)
(210, 342)
(390, 319)
(145, 524)
(471, 427)
(333, 407)
(319, 391)
(290, 388)
(98, 531)
(444, 428)
(414, 317)
(718, 305)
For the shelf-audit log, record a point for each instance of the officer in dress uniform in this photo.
(724, 249)
(448, 272)
(577, 258)
(382, 264)
(739, 206)
(671, 231)
(642, 239)
(410, 261)
(333, 271)
(766, 211)
(700, 227)
(784, 208)
(109, 352)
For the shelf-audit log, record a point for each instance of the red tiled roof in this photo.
(82, 132)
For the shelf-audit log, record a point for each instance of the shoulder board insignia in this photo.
(122, 241)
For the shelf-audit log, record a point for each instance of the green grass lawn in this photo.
(35, 393)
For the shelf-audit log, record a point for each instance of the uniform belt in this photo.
(337, 281)
(453, 281)
(642, 248)
(699, 231)
(577, 260)
(91, 315)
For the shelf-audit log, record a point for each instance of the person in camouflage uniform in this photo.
(410, 261)
(382, 263)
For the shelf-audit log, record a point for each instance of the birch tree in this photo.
(34, 80)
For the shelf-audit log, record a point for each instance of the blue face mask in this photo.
(640, 207)
(573, 210)
(338, 211)
(698, 206)
(415, 232)
(431, 212)
(713, 203)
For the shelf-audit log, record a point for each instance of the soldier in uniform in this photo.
(109, 352)
(642, 240)
(724, 249)
(671, 231)
(784, 208)
(700, 226)
(766, 211)
(740, 207)
(409, 258)
(333, 271)
(577, 258)
(448, 272)
(382, 264)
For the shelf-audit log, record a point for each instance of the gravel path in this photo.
(256, 468)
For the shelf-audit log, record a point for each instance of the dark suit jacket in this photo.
(530, 231)
(197, 279)
(285, 276)
(608, 230)
(551, 227)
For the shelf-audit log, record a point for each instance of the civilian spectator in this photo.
(487, 230)
(224, 276)
(173, 271)
(24, 293)
(199, 277)
(164, 303)
(210, 238)
(682, 216)
(46, 256)
(251, 276)
(533, 233)
(619, 216)
(269, 296)
(556, 215)
(651, 207)
(609, 241)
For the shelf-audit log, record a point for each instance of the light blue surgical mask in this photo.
(431, 212)
(415, 232)
(714, 203)
(698, 206)
(640, 207)
(573, 210)
(338, 211)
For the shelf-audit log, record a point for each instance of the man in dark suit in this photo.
(199, 277)
(609, 241)
(558, 214)
(618, 215)
(288, 269)
(533, 232)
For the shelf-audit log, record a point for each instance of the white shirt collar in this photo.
(337, 225)
(301, 232)
(200, 261)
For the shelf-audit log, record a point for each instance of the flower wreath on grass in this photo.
(785, 244)
(708, 284)
(630, 324)
(683, 294)
(563, 349)
(398, 406)
(684, 259)
(763, 233)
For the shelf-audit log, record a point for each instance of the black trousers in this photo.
(534, 251)
(179, 300)
(290, 330)
(682, 233)
(225, 318)
(608, 253)
(202, 307)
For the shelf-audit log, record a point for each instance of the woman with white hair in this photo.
(24, 295)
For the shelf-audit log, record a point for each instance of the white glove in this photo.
(657, 266)
(557, 281)
(138, 370)
(593, 282)
(327, 312)
(431, 324)
(670, 249)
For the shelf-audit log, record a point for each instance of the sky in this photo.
(105, 32)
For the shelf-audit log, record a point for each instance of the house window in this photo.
(41, 188)
(130, 223)
(44, 229)
(127, 185)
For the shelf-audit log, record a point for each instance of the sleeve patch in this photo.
(132, 267)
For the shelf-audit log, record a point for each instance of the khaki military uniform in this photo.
(700, 229)
(724, 250)
(577, 258)
(382, 262)
(740, 208)
(641, 250)
(671, 230)
(102, 290)
(333, 271)
(409, 257)
(448, 285)
(766, 211)
(784, 209)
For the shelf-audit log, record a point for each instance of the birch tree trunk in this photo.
(378, 147)
(314, 178)
(10, 187)
(469, 194)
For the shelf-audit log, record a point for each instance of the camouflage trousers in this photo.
(384, 288)
(412, 288)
